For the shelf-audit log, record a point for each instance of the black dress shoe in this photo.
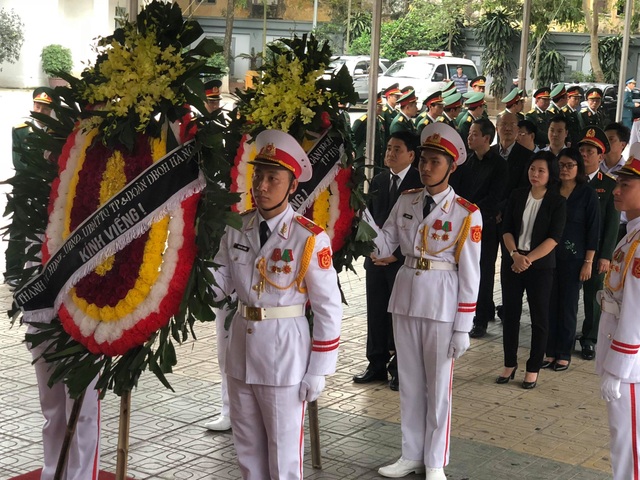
(502, 379)
(370, 375)
(529, 385)
(478, 332)
(394, 383)
(548, 364)
(558, 367)
(588, 352)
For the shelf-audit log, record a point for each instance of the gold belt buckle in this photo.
(423, 264)
(254, 313)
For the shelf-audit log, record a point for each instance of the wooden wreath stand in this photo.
(123, 437)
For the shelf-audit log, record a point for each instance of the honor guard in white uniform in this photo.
(618, 361)
(277, 262)
(433, 300)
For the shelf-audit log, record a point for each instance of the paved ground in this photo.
(500, 432)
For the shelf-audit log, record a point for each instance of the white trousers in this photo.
(84, 455)
(426, 381)
(268, 430)
(625, 435)
(222, 339)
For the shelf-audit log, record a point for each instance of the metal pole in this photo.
(373, 86)
(348, 26)
(524, 43)
(625, 58)
(315, 14)
(264, 28)
(133, 10)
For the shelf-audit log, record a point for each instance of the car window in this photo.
(442, 70)
(414, 68)
(364, 66)
(468, 70)
(380, 70)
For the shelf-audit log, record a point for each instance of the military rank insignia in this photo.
(476, 233)
(324, 258)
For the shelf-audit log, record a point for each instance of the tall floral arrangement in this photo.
(295, 95)
(122, 310)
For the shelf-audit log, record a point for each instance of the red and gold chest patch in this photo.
(324, 258)
(635, 270)
(476, 233)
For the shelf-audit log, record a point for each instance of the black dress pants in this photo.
(486, 309)
(379, 283)
(563, 315)
(538, 284)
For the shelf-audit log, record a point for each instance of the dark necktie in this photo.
(428, 203)
(393, 191)
(264, 232)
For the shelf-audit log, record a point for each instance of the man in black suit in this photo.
(381, 274)
(481, 180)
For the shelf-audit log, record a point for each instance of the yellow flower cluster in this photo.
(287, 96)
(138, 75)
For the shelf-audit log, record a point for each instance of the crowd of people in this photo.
(451, 191)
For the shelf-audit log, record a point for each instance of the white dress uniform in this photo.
(618, 347)
(427, 307)
(270, 347)
(84, 453)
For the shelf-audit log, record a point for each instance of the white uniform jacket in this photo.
(451, 233)
(619, 331)
(280, 351)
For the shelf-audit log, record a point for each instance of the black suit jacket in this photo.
(549, 222)
(381, 202)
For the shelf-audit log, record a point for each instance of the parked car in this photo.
(358, 67)
(610, 98)
(426, 71)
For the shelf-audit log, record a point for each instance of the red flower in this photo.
(325, 120)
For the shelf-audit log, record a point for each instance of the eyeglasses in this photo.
(567, 166)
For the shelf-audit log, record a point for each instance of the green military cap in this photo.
(558, 91)
(453, 101)
(449, 88)
(392, 90)
(544, 92)
(593, 92)
(475, 100)
(433, 99)
(479, 81)
(407, 98)
(468, 93)
(512, 97)
(43, 95)
(595, 137)
(575, 91)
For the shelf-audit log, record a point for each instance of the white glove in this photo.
(459, 344)
(609, 387)
(311, 387)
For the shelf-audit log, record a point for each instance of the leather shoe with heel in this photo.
(529, 385)
(394, 383)
(402, 468)
(478, 332)
(370, 375)
(502, 379)
(560, 367)
(588, 352)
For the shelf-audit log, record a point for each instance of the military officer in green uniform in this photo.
(408, 110)
(449, 88)
(593, 114)
(593, 145)
(538, 115)
(514, 103)
(558, 100)
(475, 106)
(433, 108)
(452, 107)
(478, 83)
(360, 135)
(42, 103)
(389, 109)
(571, 111)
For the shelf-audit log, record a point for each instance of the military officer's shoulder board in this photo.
(532, 111)
(585, 110)
(309, 225)
(363, 117)
(385, 108)
(246, 212)
(401, 119)
(469, 118)
(413, 190)
(22, 125)
(606, 174)
(471, 207)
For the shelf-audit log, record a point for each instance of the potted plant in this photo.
(56, 59)
(252, 73)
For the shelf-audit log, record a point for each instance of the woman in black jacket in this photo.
(574, 257)
(533, 225)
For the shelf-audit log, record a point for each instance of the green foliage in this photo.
(360, 23)
(332, 33)
(56, 59)
(217, 61)
(551, 68)
(581, 77)
(496, 31)
(11, 36)
(361, 46)
(610, 53)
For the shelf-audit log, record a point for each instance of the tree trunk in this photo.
(536, 65)
(591, 19)
(231, 7)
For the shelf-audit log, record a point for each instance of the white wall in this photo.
(74, 24)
